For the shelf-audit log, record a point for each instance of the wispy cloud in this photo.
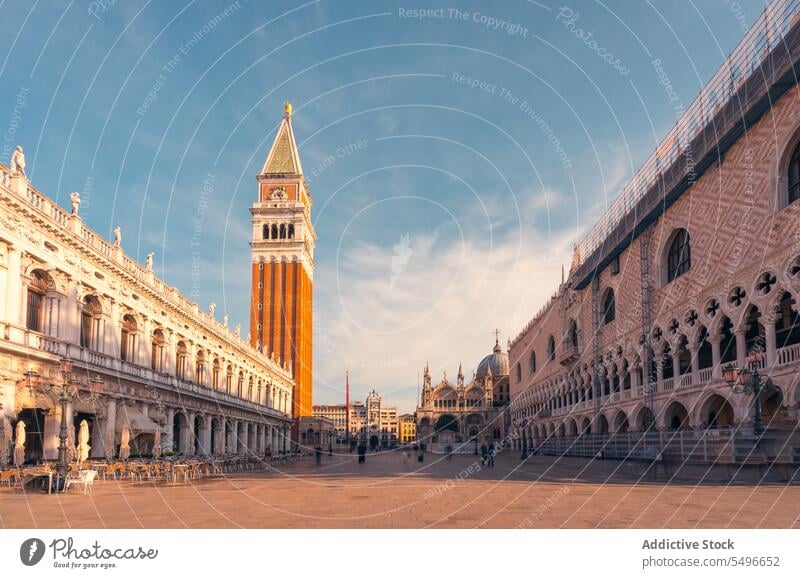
(442, 309)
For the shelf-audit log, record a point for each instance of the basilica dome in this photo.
(497, 362)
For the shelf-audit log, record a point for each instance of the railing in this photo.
(788, 354)
(765, 34)
(705, 375)
(62, 218)
(698, 446)
(95, 360)
(667, 384)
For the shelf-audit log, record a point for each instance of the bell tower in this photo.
(283, 264)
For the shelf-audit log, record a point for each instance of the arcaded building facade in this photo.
(164, 364)
(695, 266)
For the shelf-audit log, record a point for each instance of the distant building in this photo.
(461, 413)
(316, 432)
(370, 422)
(408, 428)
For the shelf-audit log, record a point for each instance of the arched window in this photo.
(291, 231)
(199, 367)
(283, 230)
(532, 362)
(551, 348)
(36, 291)
(91, 314)
(240, 385)
(181, 354)
(794, 175)
(158, 344)
(572, 333)
(229, 380)
(215, 374)
(518, 370)
(127, 341)
(250, 388)
(274, 232)
(265, 231)
(679, 256)
(609, 307)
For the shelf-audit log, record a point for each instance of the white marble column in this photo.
(769, 321)
(189, 438)
(716, 355)
(111, 328)
(741, 348)
(169, 442)
(144, 356)
(694, 352)
(110, 429)
(14, 306)
(73, 314)
(206, 441)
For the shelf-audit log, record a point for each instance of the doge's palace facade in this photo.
(695, 266)
(65, 292)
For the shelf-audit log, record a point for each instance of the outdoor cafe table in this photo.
(31, 475)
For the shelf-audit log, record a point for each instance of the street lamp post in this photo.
(749, 381)
(65, 392)
(524, 455)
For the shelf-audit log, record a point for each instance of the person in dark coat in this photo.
(318, 454)
(491, 453)
(362, 454)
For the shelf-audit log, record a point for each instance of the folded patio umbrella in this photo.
(124, 444)
(83, 442)
(19, 444)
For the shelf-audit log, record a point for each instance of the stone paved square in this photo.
(387, 492)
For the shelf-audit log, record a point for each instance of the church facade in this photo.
(463, 415)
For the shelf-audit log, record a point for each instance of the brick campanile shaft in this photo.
(283, 265)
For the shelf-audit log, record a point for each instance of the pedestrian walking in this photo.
(484, 452)
(362, 454)
(492, 451)
(318, 454)
(449, 450)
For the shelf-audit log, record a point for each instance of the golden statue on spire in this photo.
(287, 107)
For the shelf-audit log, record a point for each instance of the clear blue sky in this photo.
(453, 156)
